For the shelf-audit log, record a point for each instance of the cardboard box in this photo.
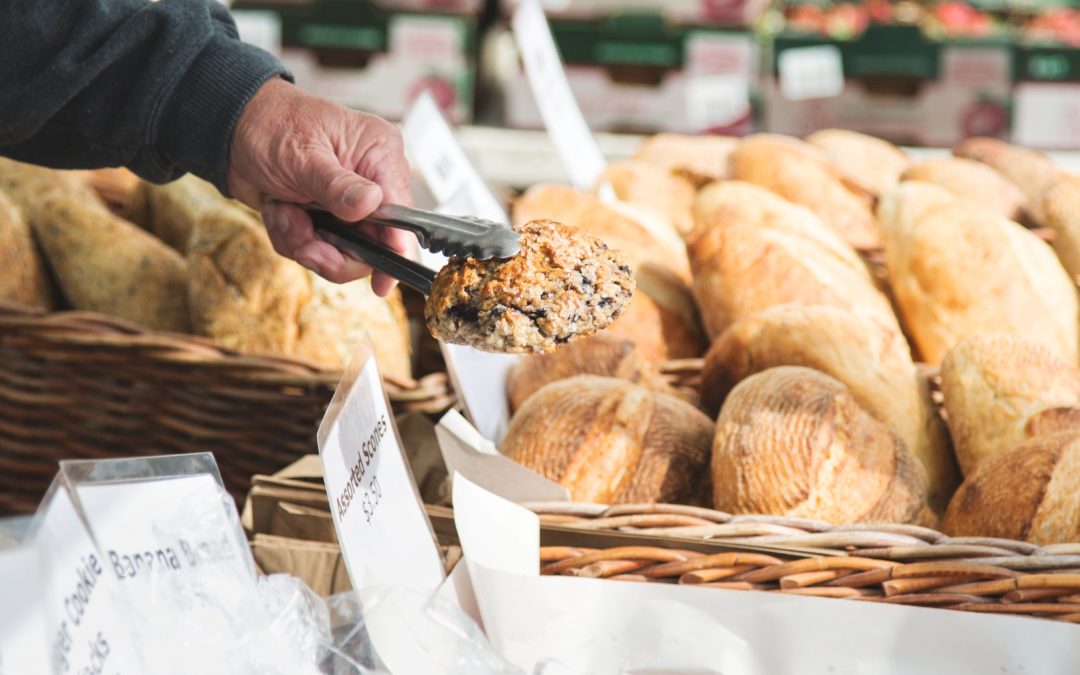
(643, 73)
(704, 12)
(378, 60)
(901, 85)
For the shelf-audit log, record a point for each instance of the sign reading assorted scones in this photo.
(385, 536)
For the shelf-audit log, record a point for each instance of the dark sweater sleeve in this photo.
(153, 86)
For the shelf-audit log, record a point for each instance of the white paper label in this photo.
(716, 100)
(565, 124)
(86, 632)
(384, 533)
(810, 72)
(22, 621)
(1047, 115)
(455, 184)
(259, 28)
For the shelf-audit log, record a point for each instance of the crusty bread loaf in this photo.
(662, 318)
(243, 294)
(871, 360)
(1030, 492)
(1031, 171)
(105, 264)
(993, 385)
(698, 159)
(957, 271)
(972, 181)
(867, 163)
(752, 250)
(610, 441)
(660, 200)
(793, 441)
(338, 317)
(27, 186)
(1051, 421)
(596, 355)
(801, 173)
(1061, 211)
(23, 277)
(583, 211)
(171, 211)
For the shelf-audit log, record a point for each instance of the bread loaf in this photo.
(27, 186)
(586, 212)
(802, 174)
(1061, 211)
(1030, 492)
(23, 277)
(698, 159)
(871, 360)
(661, 319)
(1033, 172)
(243, 294)
(958, 271)
(611, 442)
(993, 385)
(969, 180)
(105, 264)
(867, 163)
(596, 355)
(335, 321)
(660, 200)
(171, 211)
(793, 441)
(752, 250)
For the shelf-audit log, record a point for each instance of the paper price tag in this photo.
(384, 532)
(811, 72)
(716, 100)
(573, 140)
(86, 633)
(22, 621)
(452, 179)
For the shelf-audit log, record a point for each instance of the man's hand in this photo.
(294, 147)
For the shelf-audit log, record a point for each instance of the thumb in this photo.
(346, 194)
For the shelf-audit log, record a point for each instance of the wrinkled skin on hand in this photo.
(290, 146)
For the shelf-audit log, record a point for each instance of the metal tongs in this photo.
(457, 236)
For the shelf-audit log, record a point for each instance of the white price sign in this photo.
(86, 632)
(384, 532)
(810, 72)
(22, 621)
(565, 124)
(716, 100)
(259, 28)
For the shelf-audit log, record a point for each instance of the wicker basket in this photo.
(901, 564)
(81, 385)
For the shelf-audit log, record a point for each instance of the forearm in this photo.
(156, 87)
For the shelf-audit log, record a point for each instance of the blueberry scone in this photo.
(563, 284)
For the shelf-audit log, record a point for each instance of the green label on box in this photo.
(356, 37)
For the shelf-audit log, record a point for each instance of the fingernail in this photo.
(354, 193)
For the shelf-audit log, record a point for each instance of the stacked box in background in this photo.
(1047, 92)
(931, 77)
(648, 66)
(379, 56)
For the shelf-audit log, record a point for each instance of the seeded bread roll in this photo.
(563, 284)
(243, 294)
(793, 441)
(752, 250)
(613, 442)
(1030, 492)
(1061, 211)
(1033, 172)
(23, 277)
(957, 271)
(871, 360)
(972, 181)
(585, 212)
(171, 211)
(801, 173)
(665, 199)
(870, 164)
(105, 264)
(595, 355)
(698, 159)
(993, 385)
